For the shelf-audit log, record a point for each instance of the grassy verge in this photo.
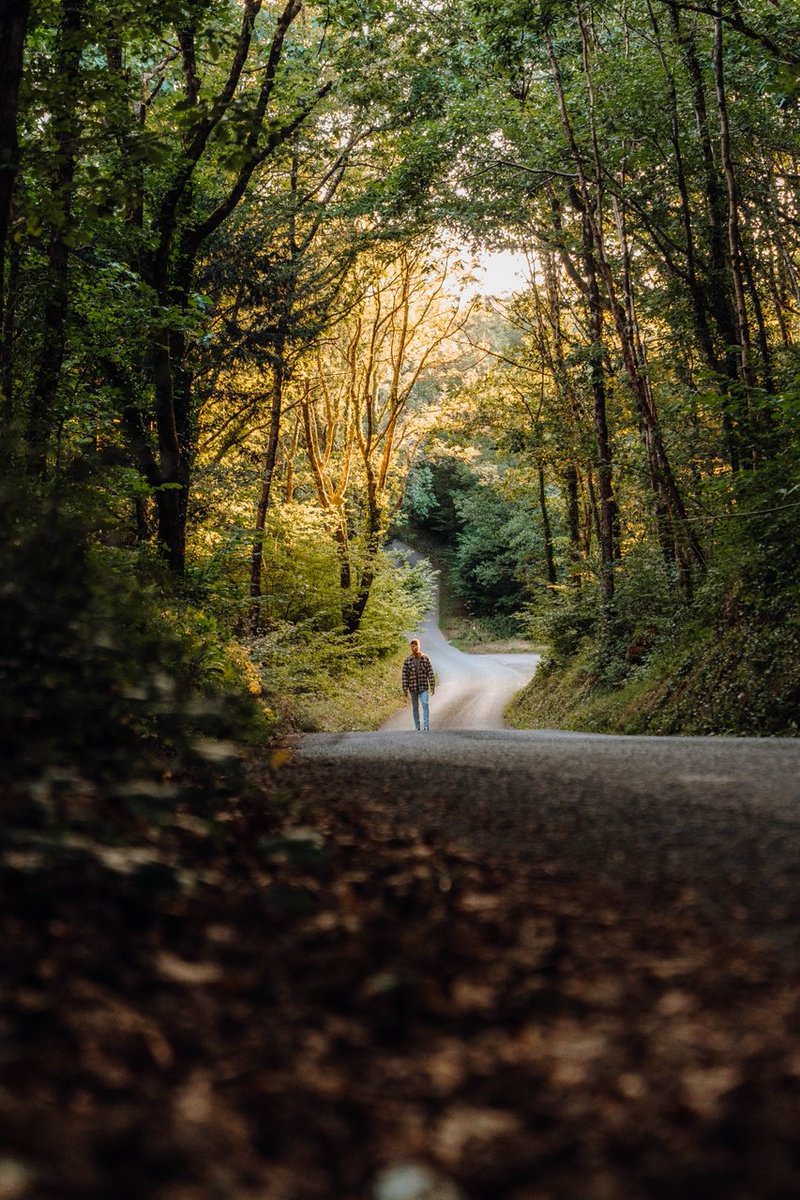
(361, 700)
(569, 696)
(479, 637)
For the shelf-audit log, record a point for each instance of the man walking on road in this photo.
(418, 681)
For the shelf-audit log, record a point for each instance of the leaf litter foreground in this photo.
(279, 991)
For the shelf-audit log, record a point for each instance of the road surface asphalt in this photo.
(714, 819)
(667, 872)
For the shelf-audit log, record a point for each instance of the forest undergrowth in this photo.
(729, 665)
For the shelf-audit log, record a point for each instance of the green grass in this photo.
(362, 700)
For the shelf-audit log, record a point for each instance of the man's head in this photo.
(415, 647)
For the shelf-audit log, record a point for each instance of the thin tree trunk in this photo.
(268, 472)
(692, 278)
(607, 511)
(570, 407)
(675, 534)
(355, 613)
(13, 30)
(289, 455)
(173, 462)
(592, 514)
(717, 288)
(764, 351)
(608, 521)
(345, 566)
(778, 296)
(8, 309)
(547, 530)
(733, 223)
(573, 520)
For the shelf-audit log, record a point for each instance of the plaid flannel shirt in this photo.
(418, 674)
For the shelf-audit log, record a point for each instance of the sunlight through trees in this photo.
(236, 245)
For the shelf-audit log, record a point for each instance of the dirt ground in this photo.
(282, 992)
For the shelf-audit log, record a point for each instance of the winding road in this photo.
(472, 689)
(714, 820)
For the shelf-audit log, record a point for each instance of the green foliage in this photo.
(402, 594)
(434, 486)
(567, 623)
(740, 676)
(103, 670)
(729, 664)
(492, 543)
(494, 554)
(312, 674)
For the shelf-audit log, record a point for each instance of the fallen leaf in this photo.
(180, 970)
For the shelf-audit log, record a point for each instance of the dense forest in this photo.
(242, 350)
(248, 352)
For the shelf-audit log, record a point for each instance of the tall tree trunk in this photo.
(692, 277)
(608, 518)
(718, 284)
(592, 522)
(765, 353)
(374, 539)
(173, 413)
(571, 413)
(571, 486)
(13, 30)
(733, 223)
(676, 536)
(778, 295)
(345, 566)
(8, 313)
(173, 460)
(289, 456)
(56, 303)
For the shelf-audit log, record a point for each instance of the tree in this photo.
(13, 30)
(358, 399)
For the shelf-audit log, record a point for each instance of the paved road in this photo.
(714, 821)
(473, 689)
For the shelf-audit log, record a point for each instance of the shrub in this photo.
(101, 666)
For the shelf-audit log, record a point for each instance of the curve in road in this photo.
(472, 690)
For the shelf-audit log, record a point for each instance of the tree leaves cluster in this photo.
(193, 198)
(645, 159)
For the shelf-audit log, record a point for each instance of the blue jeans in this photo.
(416, 697)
